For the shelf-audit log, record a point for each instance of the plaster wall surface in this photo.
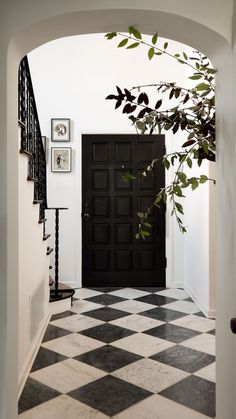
(88, 69)
(33, 276)
(26, 25)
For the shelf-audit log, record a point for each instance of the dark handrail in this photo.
(31, 138)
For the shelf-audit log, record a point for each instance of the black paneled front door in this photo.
(111, 254)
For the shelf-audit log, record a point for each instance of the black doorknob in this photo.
(233, 325)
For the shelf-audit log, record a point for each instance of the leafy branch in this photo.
(194, 115)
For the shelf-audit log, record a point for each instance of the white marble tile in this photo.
(67, 375)
(150, 375)
(142, 344)
(173, 293)
(204, 343)
(183, 307)
(158, 407)
(76, 323)
(137, 323)
(129, 293)
(63, 407)
(133, 306)
(72, 345)
(201, 324)
(86, 293)
(209, 372)
(81, 306)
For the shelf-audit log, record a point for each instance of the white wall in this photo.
(77, 91)
(199, 278)
(33, 276)
(67, 85)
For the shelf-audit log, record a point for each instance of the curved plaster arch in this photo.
(169, 25)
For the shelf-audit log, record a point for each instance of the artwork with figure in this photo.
(61, 159)
(60, 129)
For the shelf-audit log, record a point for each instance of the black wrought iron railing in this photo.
(31, 138)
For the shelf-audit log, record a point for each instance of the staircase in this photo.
(31, 145)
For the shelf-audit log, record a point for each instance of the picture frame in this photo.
(61, 159)
(60, 129)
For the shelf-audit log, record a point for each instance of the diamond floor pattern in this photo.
(137, 353)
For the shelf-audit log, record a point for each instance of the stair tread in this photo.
(49, 250)
(32, 179)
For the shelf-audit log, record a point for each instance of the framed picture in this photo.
(60, 129)
(45, 146)
(61, 159)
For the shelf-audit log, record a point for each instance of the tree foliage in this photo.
(194, 115)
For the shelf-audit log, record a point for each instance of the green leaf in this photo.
(122, 43)
(166, 163)
(211, 71)
(189, 162)
(140, 214)
(165, 45)
(158, 199)
(127, 177)
(135, 45)
(203, 179)
(181, 62)
(144, 233)
(137, 236)
(151, 53)
(191, 135)
(185, 56)
(195, 185)
(182, 176)
(196, 77)
(147, 225)
(110, 35)
(135, 32)
(158, 53)
(154, 39)
(202, 86)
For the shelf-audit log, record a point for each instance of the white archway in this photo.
(170, 26)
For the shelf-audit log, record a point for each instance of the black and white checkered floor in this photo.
(124, 353)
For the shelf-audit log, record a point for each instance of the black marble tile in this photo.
(105, 299)
(107, 332)
(45, 357)
(108, 358)
(35, 393)
(183, 358)
(193, 392)
(62, 315)
(200, 314)
(172, 333)
(106, 289)
(164, 314)
(150, 289)
(155, 299)
(212, 332)
(106, 314)
(109, 395)
(53, 332)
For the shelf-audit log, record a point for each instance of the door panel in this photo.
(111, 254)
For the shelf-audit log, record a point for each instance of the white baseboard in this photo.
(207, 311)
(32, 355)
(176, 284)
